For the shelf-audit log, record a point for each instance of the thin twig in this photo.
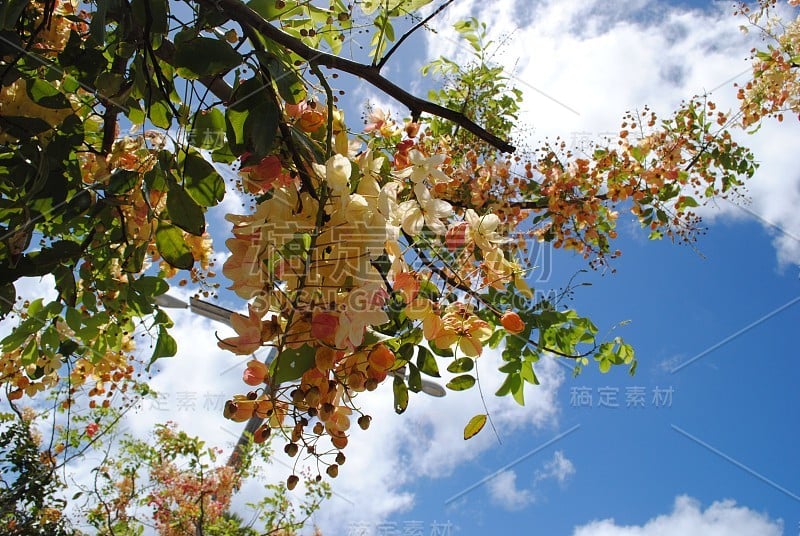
(405, 36)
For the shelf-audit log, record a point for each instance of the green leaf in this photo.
(527, 373)
(686, 202)
(234, 127)
(414, 378)
(462, 364)
(30, 354)
(404, 354)
(442, 352)
(400, 395)
(460, 383)
(151, 285)
(160, 114)
(519, 393)
(65, 284)
(172, 246)
(427, 363)
(202, 181)
(494, 340)
(511, 383)
(270, 10)
(158, 11)
(262, 126)
(73, 318)
(208, 131)
(292, 363)
(165, 346)
(184, 211)
(45, 94)
(23, 127)
(474, 426)
(10, 12)
(290, 85)
(8, 295)
(97, 27)
(204, 56)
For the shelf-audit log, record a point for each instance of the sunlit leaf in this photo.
(400, 395)
(173, 247)
(204, 56)
(461, 383)
(474, 426)
(427, 362)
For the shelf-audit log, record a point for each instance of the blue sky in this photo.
(696, 463)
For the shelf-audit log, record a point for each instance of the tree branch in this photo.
(247, 17)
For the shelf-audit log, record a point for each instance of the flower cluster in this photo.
(333, 253)
(775, 86)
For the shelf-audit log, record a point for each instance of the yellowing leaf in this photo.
(474, 426)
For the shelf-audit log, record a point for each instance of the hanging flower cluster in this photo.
(333, 254)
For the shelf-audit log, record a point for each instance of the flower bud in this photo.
(512, 323)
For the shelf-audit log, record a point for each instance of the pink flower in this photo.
(324, 325)
(456, 236)
(91, 429)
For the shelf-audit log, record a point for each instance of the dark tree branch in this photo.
(247, 17)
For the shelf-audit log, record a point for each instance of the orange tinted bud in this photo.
(325, 358)
(512, 323)
(339, 441)
(456, 236)
(323, 326)
(261, 434)
(256, 373)
(263, 409)
(381, 358)
(311, 120)
(239, 410)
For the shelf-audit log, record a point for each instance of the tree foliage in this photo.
(361, 253)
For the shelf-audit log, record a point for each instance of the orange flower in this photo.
(256, 373)
(512, 323)
(311, 120)
(251, 330)
(259, 178)
(408, 284)
(239, 409)
(380, 360)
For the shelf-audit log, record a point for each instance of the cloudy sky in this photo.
(702, 441)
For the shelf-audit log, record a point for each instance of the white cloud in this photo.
(583, 63)
(559, 468)
(503, 492)
(687, 518)
(426, 442)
